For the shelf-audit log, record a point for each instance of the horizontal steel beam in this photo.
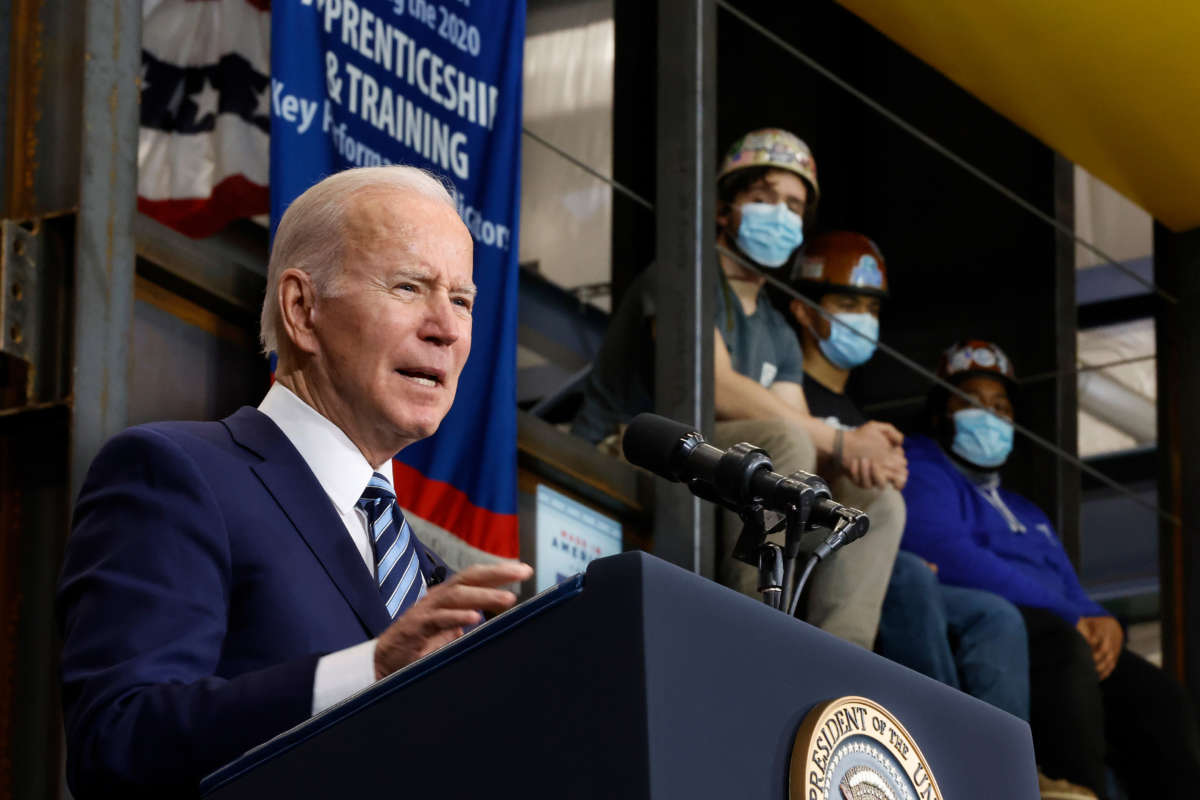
(231, 266)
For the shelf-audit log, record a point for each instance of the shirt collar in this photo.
(986, 479)
(337, 463)
(987, 482)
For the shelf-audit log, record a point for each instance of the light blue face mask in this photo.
(769, 233)
(844, 348)
(982, 438)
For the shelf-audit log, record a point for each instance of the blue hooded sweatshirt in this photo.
(984, 537)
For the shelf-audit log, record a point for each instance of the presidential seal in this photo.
(853, 749)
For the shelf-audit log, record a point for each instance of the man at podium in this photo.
(226, 580)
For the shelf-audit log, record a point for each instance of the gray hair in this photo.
(310, 237)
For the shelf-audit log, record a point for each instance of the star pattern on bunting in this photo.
(206, 101)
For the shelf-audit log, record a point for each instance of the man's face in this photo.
(777, 186)
(990, 393)
(395, 336)
(849, 303)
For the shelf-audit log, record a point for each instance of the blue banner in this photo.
(434, 84)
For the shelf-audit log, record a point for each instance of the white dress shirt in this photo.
(343, 473)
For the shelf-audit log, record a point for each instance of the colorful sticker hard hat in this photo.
(975, 357)
(773, 147)
(842, 260)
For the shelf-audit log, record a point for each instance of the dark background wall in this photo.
(963, 260)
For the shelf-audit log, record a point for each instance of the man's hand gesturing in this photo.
(439, 617)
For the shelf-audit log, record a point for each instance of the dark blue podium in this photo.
(638, 680)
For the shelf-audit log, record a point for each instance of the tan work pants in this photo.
(845, 594)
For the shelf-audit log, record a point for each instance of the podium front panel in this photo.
(651, 682)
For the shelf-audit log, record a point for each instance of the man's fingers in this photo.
(440, 640)
(499, 574)
(893, 436)
(1105, 663)
(438, 620)
(880, 476)
(471, 597)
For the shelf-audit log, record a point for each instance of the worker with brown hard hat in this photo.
(766, 190)
(970, 639)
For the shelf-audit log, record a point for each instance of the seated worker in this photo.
(765, 187)
(1090, 697)
(966, 638)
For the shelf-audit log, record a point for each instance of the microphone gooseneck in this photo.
(736, 478)
(743, 480)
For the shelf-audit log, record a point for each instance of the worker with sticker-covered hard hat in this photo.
(966, 638)
(766, 188)
(1093, 701)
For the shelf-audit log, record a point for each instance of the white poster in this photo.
(569, 536)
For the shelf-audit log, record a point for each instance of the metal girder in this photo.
(685, 259)
(104, 256)
(1066, 475)
(42, 98)
(1177, 327)
(230, 266)
(20, 305)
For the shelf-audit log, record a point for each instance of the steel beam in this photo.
(230, 266)
(42, 98)
(685, 258)
(1069, 492)
(104, 255)
(1177, 271)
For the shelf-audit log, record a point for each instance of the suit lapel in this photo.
(430, 562)
(306, 505)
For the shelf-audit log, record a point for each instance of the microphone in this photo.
(735, 478)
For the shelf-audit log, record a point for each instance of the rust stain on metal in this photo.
(114, 102)
(25, 83)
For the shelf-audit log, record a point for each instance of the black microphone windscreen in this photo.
(650, 441)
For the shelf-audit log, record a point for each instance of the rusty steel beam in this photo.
(104, 254)
(42, 97)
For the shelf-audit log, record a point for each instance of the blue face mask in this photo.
(844, 348)
(982, 438)
(769, 233)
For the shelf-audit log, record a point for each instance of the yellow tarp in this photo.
(1113, 86)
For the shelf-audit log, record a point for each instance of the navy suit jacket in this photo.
(206, 573)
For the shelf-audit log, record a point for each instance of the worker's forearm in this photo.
(740, 397)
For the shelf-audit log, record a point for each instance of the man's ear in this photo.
(724, 215)
(297, 306)
(809, 319)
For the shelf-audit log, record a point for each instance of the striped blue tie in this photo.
(397, 568)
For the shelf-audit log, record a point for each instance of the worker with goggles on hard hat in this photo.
(970, 639)
(1092, 700)
(766, 189)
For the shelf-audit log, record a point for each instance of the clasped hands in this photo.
(1105, 637)
(440, 616)
(873, 457)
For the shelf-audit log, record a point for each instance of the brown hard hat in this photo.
(841, 261)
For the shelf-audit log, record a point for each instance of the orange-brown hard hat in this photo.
(841, 261)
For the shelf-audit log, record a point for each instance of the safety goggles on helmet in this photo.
(975, 357)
